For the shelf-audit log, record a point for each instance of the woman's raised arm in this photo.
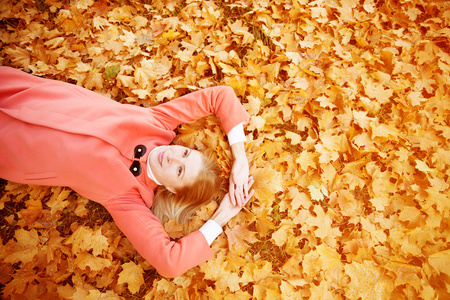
(220, 100)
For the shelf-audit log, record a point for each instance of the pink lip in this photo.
(160, 157)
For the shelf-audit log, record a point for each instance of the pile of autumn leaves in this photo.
(348, 144)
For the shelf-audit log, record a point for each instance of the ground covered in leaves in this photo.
(348, 143)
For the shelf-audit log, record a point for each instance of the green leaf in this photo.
(111, 72)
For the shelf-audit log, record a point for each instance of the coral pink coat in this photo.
(55, 133)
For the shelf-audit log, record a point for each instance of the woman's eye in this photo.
(179, 171)
(186, 152)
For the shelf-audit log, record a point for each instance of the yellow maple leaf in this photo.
(84, 239)
(323, 222)
(317, 191)
(84, 4)
(132, 275)
(362, 119)
(173, 229)
(405, 274)
(139, 22)
(81, 209)
(253, 106)
(166, 94)
(294, 137)
(125, 81)
(323, 258)
(97, 295)
(238, 235)
(239, 85)
(238, 28)
(440, 261)
(256, 271)
(272, 71)
(263, 225)
(298, 199)
(19, 56)
(415, 98)
(94, 80)
(438, 198)
(307, 159)
(25, 249)
(367, 282)
(95, 264)
(422, 166)
(268, 182)
(281, 235)
(228, 280)
(384, 131)
(141, 93)
(59, 201)
(376, 90)
(227, 69)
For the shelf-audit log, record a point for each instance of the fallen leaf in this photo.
(132, 275)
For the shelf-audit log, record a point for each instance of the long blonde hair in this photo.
(182, 205)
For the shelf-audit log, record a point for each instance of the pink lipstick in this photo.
(161, 157)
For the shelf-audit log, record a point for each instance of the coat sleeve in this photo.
(148, 236)
(220, 100)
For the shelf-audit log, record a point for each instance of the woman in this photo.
(55, 133)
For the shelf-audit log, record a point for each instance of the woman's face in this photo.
(175, 166)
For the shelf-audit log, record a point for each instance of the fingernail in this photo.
(235, 186)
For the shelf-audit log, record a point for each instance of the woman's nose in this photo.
(173, 158)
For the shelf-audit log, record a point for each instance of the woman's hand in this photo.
(227, 210)
(239, 187)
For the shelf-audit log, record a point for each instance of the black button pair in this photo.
(135, 167)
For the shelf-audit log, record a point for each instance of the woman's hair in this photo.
(182, 205)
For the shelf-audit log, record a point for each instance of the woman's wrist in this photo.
(220, 219)
(238, 151)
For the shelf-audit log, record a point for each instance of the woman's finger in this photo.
(231, 193)
(250, 181)
(250, 195)
(239, 195)
(246, 188)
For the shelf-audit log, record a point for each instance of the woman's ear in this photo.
(172, 190)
